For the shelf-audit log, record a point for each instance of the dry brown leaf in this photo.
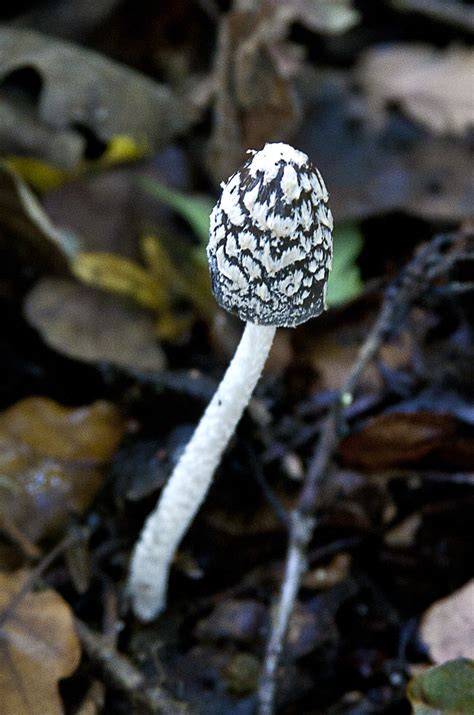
(81, 87)
(255, 99)
(52, 460)
(93, 326)
(397, 438)
(430, 177)
(447, 627)
(23, 217)
(436, 88)
(38, 647)
(255, 66)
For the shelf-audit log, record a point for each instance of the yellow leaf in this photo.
(122, 148)
(40, 175)
(118, 275)
(191, 281)
(38, 647)
(171, 327)
(44, 177)
(157, 259)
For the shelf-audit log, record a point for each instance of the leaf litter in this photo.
(38, 647)
(103, 280)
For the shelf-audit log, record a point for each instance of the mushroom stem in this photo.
(192, 476)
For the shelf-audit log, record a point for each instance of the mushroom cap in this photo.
(270, 244)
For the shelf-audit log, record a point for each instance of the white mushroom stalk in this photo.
(270, 251)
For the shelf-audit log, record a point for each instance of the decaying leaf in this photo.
(447, 689)
(434, 87)
(428, 176)
(80, 88)
(45, 175)
(93, 326)
(158, 287)
(255, 100)
(38, 647)
(23, 217)
(118, 275)
(398, 438)
(52, 461)
(22, 135)
(103, 208)
(173, 281)
(447, 627)
(255, 68)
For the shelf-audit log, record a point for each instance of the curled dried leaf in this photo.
(38, 647)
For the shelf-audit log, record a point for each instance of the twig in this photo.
(28, 547)
(429, 262)
(35, 574)
(122, 674)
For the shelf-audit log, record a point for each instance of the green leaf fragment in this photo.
(446, 689)
(344, 280)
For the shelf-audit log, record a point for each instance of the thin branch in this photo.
(430, 261)
(35, 574)
(122, 674)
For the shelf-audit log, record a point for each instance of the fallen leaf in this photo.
(81, 88)
(93, 326)
(45, 176)
(447, 689)
(102, 209)
(52, 460)
(433, 86)
(333, 348)
(23, 217)
(254, 69)
(397, 438)
(447, 627)
(255, 72)
(116, 274)
(427, 176)
(22, 135)
(160, 287)
(38, 647)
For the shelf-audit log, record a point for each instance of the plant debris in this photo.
(349, 483)
(38, 647)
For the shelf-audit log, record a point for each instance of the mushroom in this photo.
(270, 252)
